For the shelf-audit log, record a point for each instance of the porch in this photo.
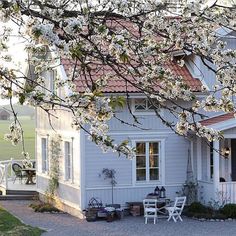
(10, 187)
(216, 162)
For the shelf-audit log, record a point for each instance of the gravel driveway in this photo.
(66, 225)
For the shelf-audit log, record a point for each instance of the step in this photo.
(17, 197)
(21, 192)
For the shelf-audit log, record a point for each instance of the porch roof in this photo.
(220, 122)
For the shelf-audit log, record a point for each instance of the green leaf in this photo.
(117, 102)
(76, 52)
(124, 57)
(21, 98)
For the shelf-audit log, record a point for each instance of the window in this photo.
(44, 151)
(147, 161)
(145, 105)
(52, 79)
(211, 161)
(68, 160)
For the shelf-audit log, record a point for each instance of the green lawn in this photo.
(10, 225)
(8, 150)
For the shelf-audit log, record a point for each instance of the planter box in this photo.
(91, 214)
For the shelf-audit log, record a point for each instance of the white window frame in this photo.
(45, 158)
(52, 77)
(68, 176)
(161, 179)
(143, 112)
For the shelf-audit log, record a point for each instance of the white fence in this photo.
(205, 191)
(227, 192)
(6, 172)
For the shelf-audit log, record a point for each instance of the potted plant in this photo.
(110, 175)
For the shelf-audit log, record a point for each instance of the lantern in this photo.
(157, 191)
(162, 192)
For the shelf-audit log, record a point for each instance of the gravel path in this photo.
(66, 225)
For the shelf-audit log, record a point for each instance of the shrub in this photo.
(197, 207)
(218, 215)
(43, 207)
(202, 215)
(229, 210)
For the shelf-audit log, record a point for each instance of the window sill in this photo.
(150, 182)
(147, 113)
(69, 183)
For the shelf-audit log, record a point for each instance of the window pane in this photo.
(154, 174)
(151, 106)
(140, 161)
(44, 154)
(140, 148)
(141, 174)
(153, 161)
(153, 148)
(68, 159)
(140, 104)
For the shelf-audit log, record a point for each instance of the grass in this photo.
(11, 226)
(8, 150)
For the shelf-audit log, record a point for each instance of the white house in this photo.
(161, 158)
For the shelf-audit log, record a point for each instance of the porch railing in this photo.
(6, 172)
(227, 192)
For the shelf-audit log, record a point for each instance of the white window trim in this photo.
(52, 75)
(71, 179)
(161, 162)
(142, 113)
(44, 171)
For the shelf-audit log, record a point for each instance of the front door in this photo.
(233, 159)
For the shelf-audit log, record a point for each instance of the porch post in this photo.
(199, 158)
(216, 167)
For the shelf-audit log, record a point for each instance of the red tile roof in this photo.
(119, 85)
(217, 119)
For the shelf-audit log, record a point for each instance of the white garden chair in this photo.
(176, 210)
(150, 210)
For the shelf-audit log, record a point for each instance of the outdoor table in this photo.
(30, 174)
(161, 204)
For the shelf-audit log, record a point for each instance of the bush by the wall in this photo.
(229, 210)
(43, 207)
(198, 210)
(197, 207)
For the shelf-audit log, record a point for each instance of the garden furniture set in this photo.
(155, 205)
(152, 211)
(23, 172)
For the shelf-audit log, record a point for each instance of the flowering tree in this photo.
(133, 41)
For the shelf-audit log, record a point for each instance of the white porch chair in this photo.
(176, 210)
(150, 209)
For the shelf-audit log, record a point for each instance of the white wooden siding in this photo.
(230, 132)
(208, 75)
(127, 194)
(61, 121)
(176, 154)
(64, 191)
(96, 160)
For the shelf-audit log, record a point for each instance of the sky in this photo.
(16, 50)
